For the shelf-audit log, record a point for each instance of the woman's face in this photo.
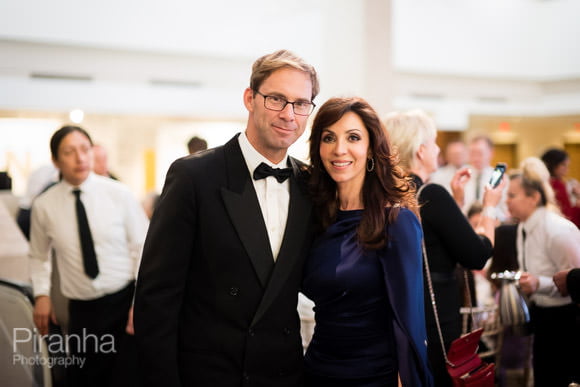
(430, 154)
(344, 149)
(519, 204)
(561, 169)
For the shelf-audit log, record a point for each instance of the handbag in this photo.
(462, 361)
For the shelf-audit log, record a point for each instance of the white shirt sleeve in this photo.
(564, 250)
(39, 254)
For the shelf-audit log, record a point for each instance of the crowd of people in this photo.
(205, 292)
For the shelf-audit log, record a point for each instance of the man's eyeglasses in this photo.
(273, 102)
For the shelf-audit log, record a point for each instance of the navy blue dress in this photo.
(369, 306)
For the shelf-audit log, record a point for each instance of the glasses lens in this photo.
(303, 108)
(274, 103)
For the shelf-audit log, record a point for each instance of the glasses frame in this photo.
(286, 104)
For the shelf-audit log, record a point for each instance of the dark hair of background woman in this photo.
(554, 157)
(60, 134)
(386, 185)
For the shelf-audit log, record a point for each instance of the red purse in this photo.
(462, 361)
(464, 364)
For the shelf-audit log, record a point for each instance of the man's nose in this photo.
(288, 112)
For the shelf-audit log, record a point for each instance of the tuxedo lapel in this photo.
(296, 229)
(243, 208)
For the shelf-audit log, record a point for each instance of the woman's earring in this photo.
(370, 164)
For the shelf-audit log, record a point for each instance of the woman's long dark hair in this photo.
(386, 185)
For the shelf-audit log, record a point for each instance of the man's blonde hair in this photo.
(264, 66)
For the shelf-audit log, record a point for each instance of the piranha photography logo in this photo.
(30, 341)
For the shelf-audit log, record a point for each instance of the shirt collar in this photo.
(254, 158)
(83, 186)
(534, 219)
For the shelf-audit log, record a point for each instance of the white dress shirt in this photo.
(481, 179)
(273, 197)
(478, 180)
(552, 244)
(443, 176)
(118, 226)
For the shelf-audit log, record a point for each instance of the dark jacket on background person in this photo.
(449, 240)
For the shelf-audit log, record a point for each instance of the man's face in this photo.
(75, 158)
(479, 154)
(272, 132)
(100, 161)
(456, 154)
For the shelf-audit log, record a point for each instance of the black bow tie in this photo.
(264, 170)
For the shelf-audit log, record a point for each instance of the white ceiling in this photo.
(523, 39)
(451, 57)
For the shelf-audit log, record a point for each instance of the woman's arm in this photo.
(442, 218)
(403, 271)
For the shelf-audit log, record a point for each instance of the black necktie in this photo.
(478, 187)
(264, 170)
(87, 246)
(524, 249)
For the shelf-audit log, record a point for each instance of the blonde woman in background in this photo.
(546, 243)
(449, 238)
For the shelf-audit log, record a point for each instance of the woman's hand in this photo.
(492, 196)
(458, 182)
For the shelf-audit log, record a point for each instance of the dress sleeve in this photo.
(403, 271)
(442, 215)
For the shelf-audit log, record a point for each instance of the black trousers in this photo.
(556, 345)
(97, 335)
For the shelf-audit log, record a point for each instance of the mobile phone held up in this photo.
(497, 174)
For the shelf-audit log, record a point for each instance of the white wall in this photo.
(516, 39)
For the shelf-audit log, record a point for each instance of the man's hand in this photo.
(560, 281)
(528, 283)
(42, 313)
(129, 328)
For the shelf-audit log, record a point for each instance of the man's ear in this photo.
(248, 99)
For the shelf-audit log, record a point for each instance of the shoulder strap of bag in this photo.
(432, 292)
(433, 303)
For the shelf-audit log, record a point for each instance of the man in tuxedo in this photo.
(217, 290)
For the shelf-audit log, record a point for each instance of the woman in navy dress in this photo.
(364, 272)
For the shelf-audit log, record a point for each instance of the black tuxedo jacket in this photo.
(211, 306)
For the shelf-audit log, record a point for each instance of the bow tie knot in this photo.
(264, 170)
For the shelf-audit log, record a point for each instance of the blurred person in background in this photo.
(455, 157)
(39, 181)
(196, 144)
(449, 238)
(96, 228)
(101, 163)
(546, 244)
(567, 192)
